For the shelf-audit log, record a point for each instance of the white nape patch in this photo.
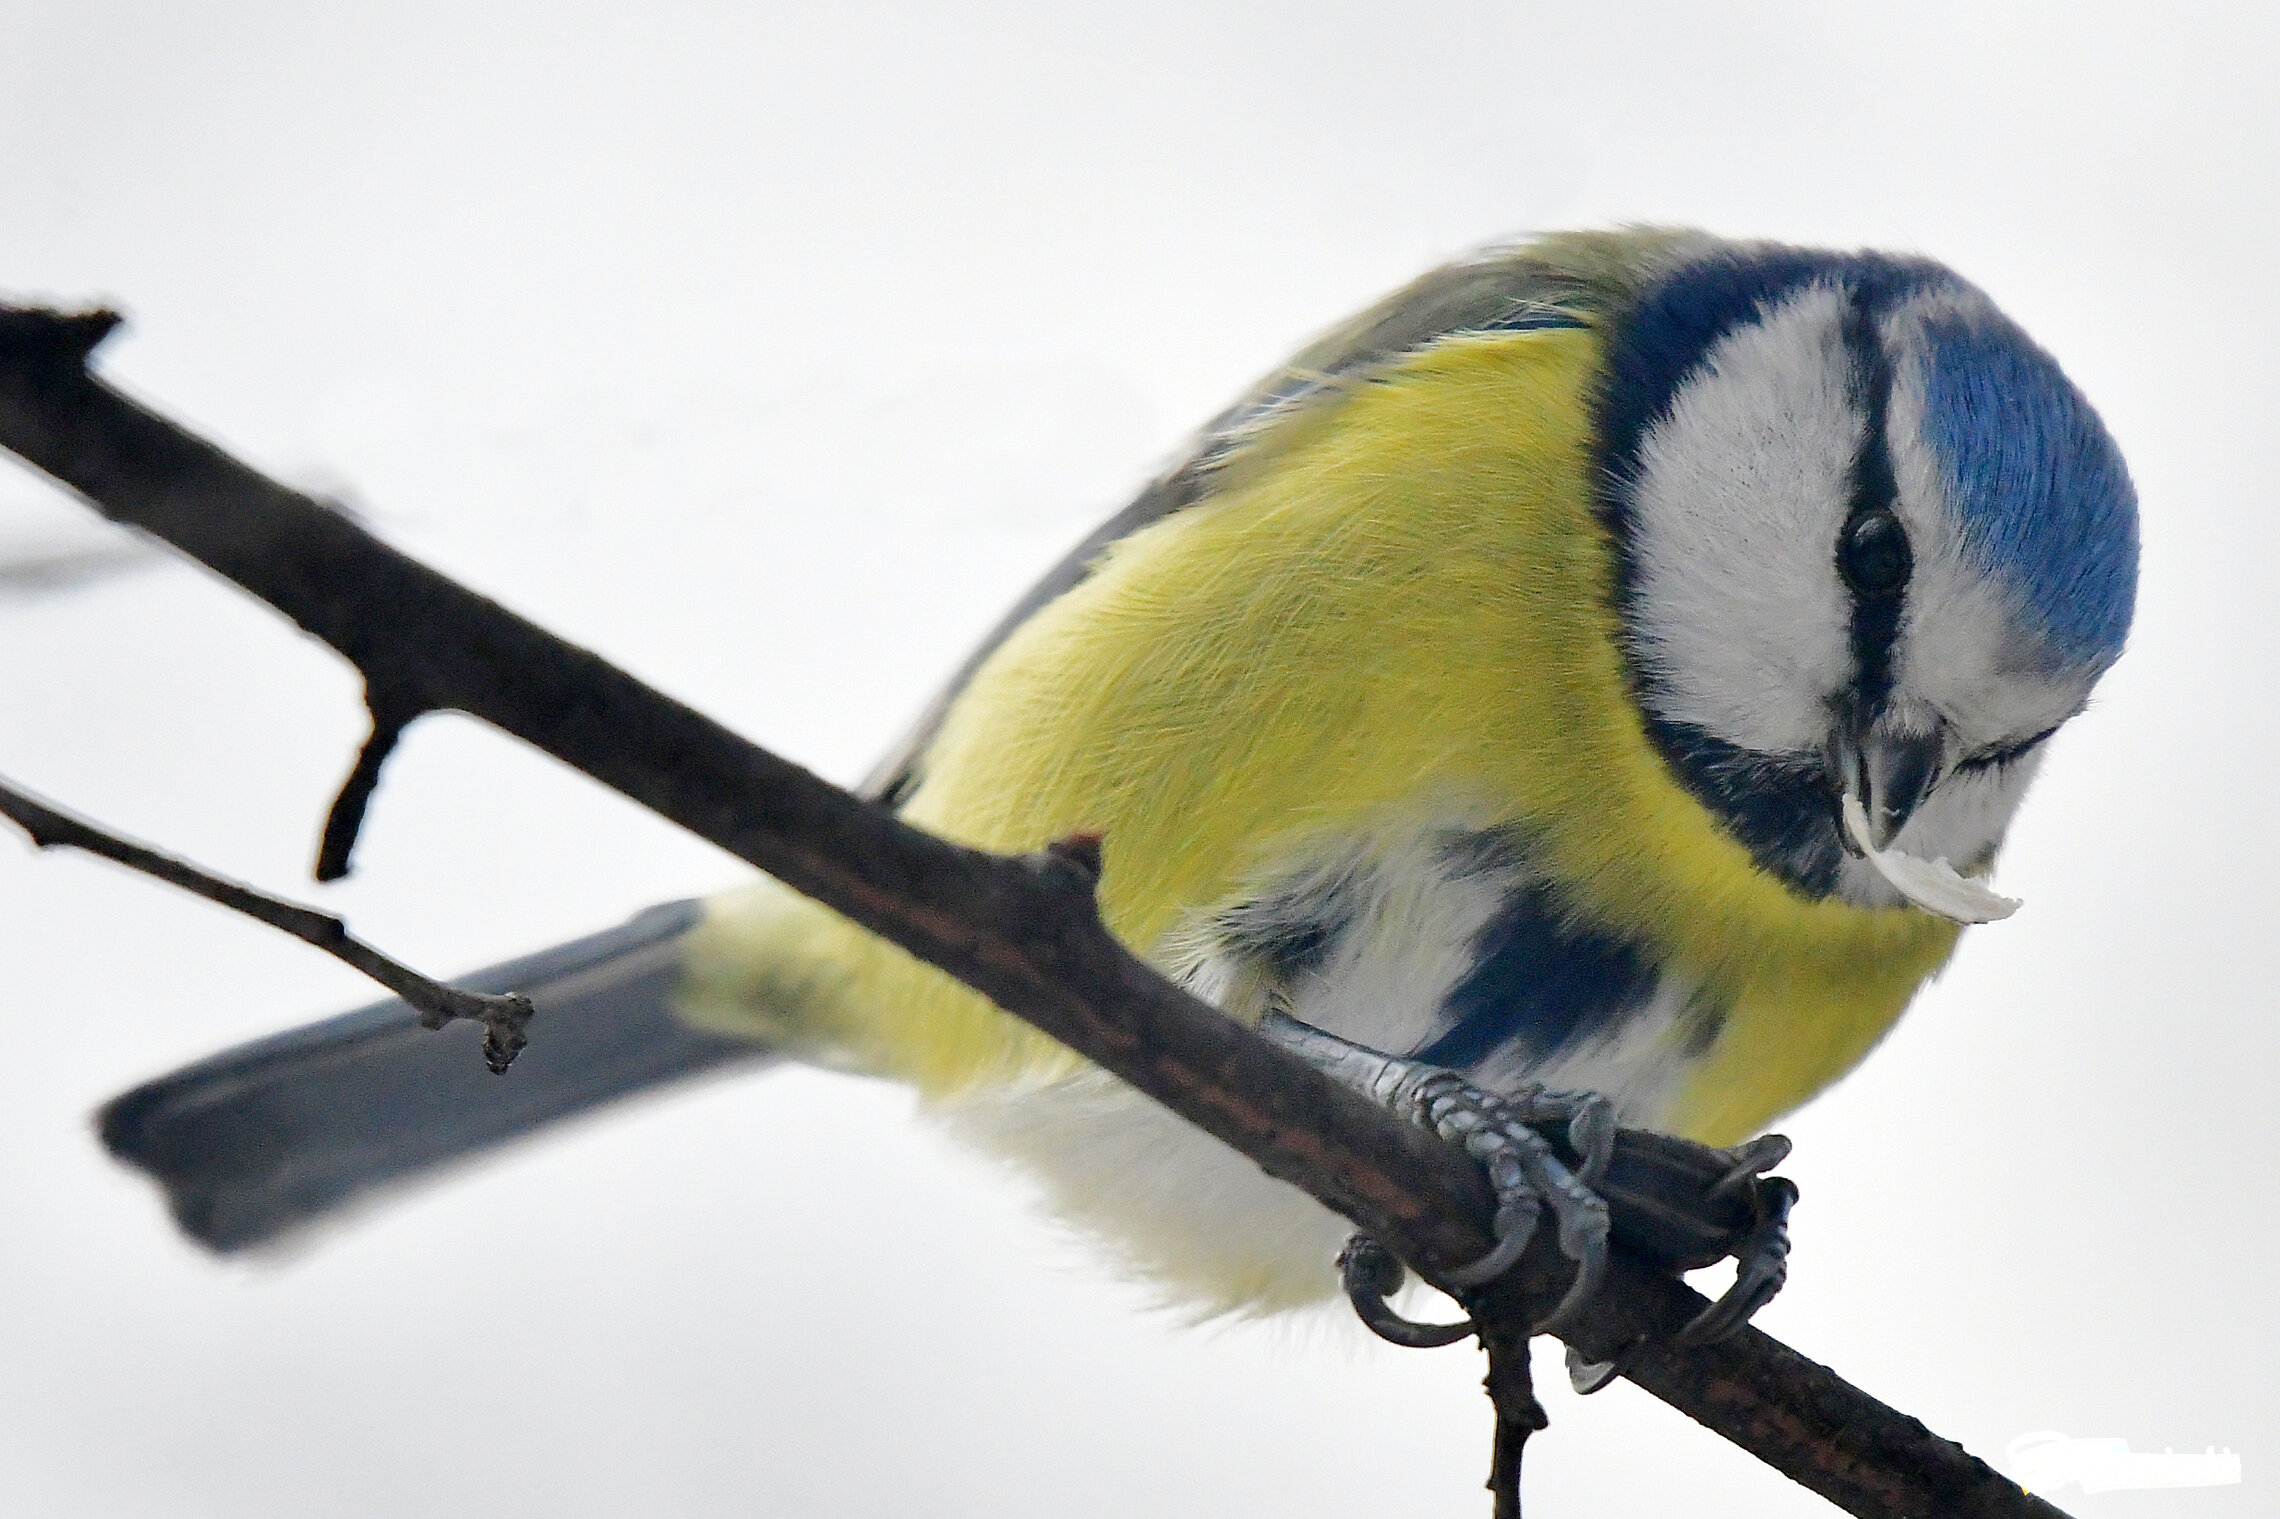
(1740, 492)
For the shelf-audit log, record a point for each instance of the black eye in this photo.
(1873, 554)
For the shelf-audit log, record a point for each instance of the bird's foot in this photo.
(1762, 1258)
(1691, 1205)
(1740, 1208)
(1524, 1173)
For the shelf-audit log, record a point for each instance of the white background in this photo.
(770, 350)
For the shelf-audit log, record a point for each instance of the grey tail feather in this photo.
(253, 1143)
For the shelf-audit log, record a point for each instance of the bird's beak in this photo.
(1891, 773)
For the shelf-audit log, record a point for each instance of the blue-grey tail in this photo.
(255, 1142)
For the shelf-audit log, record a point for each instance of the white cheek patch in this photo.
(1740, 492)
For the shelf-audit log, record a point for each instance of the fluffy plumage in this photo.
(1482, 686)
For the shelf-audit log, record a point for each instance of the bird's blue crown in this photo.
(2039, 488)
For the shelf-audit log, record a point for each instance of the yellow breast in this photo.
(1401, 599)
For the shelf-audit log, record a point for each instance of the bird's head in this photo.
(1870, 540)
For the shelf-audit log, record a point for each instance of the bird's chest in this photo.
(1443, 940)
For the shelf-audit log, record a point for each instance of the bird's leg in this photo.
(1526, 1175)
(1523, 1172)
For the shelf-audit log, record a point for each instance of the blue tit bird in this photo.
(1490, 686)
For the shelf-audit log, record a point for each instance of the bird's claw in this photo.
(1371, 1273)
(1762, 1262)
(1524, 1173)
(1527, 1175)
(1587, 1376)
(1748, 1161)
(1762, 1257)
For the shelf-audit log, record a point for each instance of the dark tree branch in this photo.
(503, 1018)
(1023, 931)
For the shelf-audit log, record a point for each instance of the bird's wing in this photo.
(1561, 280)
(260, 1140)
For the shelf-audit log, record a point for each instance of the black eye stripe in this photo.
(1872, 552)
(1776, 805)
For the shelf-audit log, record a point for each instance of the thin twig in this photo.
(391, 715)
(1512, 1391)
(504, 1019)
(1024, 931)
